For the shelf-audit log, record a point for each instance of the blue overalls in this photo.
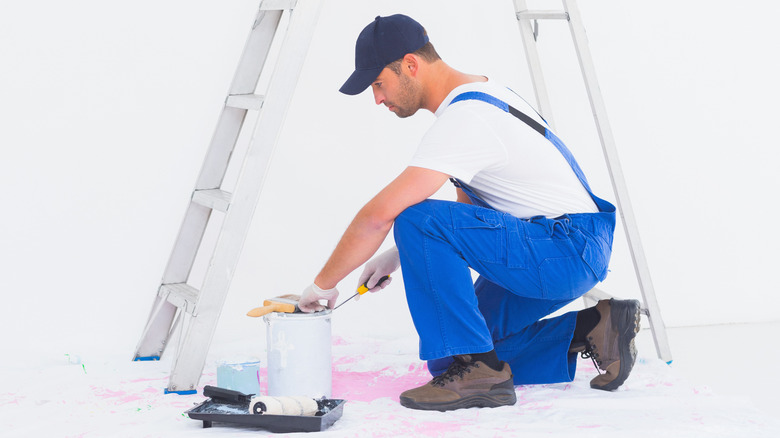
(529, 268)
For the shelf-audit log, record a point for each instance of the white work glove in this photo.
(382, 265)
(311, 296)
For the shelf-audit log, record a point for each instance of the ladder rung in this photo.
(212, 198)
(542, 15)
(245, 101)
(275, 5)
(181, 295)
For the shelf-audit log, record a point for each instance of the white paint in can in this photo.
(299, 354)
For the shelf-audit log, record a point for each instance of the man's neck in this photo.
(444, 79)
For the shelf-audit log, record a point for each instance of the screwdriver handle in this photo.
(364, 287)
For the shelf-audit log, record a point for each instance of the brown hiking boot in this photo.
(465, 384)
(611, 343)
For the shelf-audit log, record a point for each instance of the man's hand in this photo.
(378, 267)
(311, 296)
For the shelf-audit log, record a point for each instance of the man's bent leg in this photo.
(537, 349)
(438, 284)
(439, 240)
(445, 311)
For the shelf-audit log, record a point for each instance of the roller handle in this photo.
(225, 395)
(260, 311)
(283, 305)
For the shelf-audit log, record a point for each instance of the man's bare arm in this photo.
(462, 196)
(372, 223)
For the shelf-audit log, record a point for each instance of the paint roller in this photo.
(268, 405)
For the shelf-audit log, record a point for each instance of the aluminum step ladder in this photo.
(178, 304)
(528, 21)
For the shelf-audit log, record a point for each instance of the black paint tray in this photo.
(227, 406)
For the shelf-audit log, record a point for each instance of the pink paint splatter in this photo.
(14, 401)
(338, 340)
(118, 397)
(371, 385)
(439, 428)
(146, 380)
(431, 428)
(347, 360)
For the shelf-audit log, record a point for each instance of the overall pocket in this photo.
(518, 255)
(563, 274)
(597, 254)
(597, 230)
(482, 228)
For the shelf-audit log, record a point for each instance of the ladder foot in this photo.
(146, 358)
(188, 392)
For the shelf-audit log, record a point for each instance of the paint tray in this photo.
(232, 407)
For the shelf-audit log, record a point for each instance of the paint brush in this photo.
(282, 304)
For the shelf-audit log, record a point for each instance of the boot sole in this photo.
(624, 313)
(501, 394)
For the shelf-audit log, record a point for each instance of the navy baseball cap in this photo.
(385, 40)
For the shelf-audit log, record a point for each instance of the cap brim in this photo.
(360, 80)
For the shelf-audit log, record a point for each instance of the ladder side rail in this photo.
(177, 270)
(190, 360)
(255, 52)
(188, 241)
(245, 80)
(618, 181)
(153, 339)
(534, 64)
(223, 141)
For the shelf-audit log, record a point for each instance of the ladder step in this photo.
(276, 5)
(542, 15)
(212, 198)
(181, 295)
(245, 101)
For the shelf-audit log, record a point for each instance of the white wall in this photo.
(107, 108)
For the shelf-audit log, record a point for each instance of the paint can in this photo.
(299, 354)
(242, 375)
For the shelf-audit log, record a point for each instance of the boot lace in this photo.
(456, 368)
(591, 352)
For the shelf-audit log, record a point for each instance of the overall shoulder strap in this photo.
(484, 97)
(533, 124)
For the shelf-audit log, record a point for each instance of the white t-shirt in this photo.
(508, 164)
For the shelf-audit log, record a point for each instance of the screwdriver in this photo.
(363, 289)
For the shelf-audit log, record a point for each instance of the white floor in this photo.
(738, 360)
(721, 384)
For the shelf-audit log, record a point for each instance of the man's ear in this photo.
(411, 64)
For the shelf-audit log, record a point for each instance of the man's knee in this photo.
(415, 214)
(417, 218)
